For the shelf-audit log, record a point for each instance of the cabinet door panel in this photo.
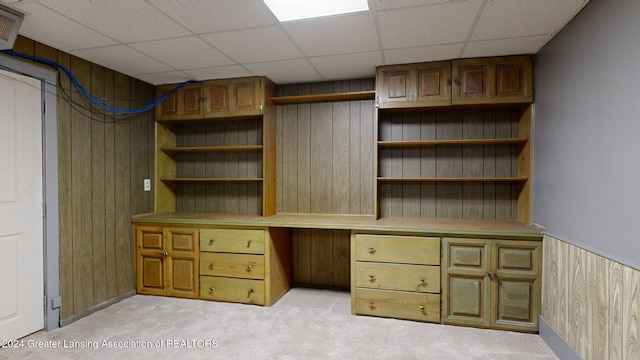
(394, 85)
(183, 278)
(217, 99)
(468, 256)
(434, 81)
(468, 300)
(191, 101)
(168, 109)
(517, 304)
(246, 98)
(473, 82)
(518, 258)
(150, 279)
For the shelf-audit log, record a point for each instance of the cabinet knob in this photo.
(423, 282)
(165, 254)
(372, 278)
(422, 309)
(211, 289)
(249, 267)
(491, 275)
(210, 266)
(372, 305)
(372, 249)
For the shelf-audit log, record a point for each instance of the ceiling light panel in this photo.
(289, 10)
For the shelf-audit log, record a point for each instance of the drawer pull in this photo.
(212, 289)
(423, 282)
(249, 243)
(165, 254)
(422, 309)
(372, 305)
(210, 266)
(372, 278)
(249, 267)
(210, 241)
(372, 249)
(249, 292)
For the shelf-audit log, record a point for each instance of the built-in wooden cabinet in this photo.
(438, 159)
(396, 276)
(167, 261)
(492, 283)
(506, 79)
(414, 85)
(223, 158)
(251, 266)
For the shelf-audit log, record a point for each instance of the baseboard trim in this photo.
(556, 342)
(91, 310)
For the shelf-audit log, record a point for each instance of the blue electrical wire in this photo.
(95, 100)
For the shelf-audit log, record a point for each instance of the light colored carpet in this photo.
(304, 324)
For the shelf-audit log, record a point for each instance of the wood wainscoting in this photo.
(591, 301)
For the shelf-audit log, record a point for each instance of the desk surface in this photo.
(360, 223)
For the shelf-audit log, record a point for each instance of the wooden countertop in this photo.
(360, 223)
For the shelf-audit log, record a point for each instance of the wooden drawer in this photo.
(232, 241)
(232, 265)
(233, 290)
(398, 249)
(419, 278)
(398, 304)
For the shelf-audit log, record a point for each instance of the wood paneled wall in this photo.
(231, 197)
(459, 200)
(591, 301)
(102, 163)
(325, 151)
(325, 154)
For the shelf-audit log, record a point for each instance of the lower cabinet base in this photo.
(245, 291)
(398, 304)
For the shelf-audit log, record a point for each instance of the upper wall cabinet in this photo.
(458, 82)
(213, 99)
(414, 85)
(492, 80)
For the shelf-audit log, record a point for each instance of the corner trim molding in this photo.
(556, 342)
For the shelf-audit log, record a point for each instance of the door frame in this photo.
(51, 241)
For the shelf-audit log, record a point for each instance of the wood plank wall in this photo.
(325, 154)
(468, 200)
(591, 301)
(102, 163)
(230, 197)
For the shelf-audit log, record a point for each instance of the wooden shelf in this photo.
(401, 179)
(211, 179)
(420, 143)
(299, 99)
(212, 148)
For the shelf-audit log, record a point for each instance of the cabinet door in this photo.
(217, 103)
(498, 80)
(434, 84)
(517, 286)
(395, 86)
(182, 262)
(150, 260)
(168, 109)
(246, 97)
(190, 99)
(466, 283)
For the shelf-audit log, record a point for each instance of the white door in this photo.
(21, 223)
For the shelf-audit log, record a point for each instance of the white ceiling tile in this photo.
(221, 72)
(351, 66)
(393, 4)
(427, 25)
(44, 24)
(123, 20)
(334, 35)
(422, 54)
(179, 53)
(123, 59)
(512, 46)
(514, 18)
(254, 45)
(223, 15)
(170, 77)
(288, 71)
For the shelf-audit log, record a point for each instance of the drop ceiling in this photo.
(169, 41)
